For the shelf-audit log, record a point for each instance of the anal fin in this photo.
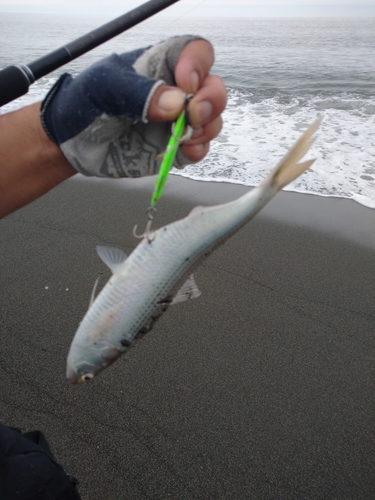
(189, 290)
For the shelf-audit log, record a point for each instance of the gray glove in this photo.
(99, 118)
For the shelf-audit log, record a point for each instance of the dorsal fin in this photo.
(111, 256)
(189, 290)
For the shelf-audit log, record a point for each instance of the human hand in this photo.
(205, 108)
(114, 119)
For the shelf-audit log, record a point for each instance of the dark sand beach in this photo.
(263, 388)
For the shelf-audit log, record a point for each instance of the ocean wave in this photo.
(257, 134)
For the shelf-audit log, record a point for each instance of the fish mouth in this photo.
(84, 367)
(72, 381)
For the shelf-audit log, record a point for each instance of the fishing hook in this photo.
(147, 233)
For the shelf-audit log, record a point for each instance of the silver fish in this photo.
(158, 273)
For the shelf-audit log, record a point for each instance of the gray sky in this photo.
(240, 8)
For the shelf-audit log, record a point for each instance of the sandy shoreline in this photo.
(339, 217)
(261, 388)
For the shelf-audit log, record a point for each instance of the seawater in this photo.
(280, 74)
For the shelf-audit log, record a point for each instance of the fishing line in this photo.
(174, 142)
(181, 17)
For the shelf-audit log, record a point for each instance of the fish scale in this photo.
(156, 274)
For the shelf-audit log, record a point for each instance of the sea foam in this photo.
(256, 135)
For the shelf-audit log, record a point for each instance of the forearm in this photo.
(30, 163)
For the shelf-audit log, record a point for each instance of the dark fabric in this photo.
(110, 86)
(29, 471)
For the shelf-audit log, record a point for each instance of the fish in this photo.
(159, 271)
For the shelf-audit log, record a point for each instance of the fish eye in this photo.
(87, 376)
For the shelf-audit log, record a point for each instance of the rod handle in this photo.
(14, 82)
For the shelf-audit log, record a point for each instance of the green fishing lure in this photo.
(169, 156)
(174, 142)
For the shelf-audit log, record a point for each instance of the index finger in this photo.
(193, 65)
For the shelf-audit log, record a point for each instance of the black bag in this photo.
(29, 471)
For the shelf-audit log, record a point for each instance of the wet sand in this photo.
(263, 388)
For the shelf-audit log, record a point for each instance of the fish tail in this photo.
(288, 168)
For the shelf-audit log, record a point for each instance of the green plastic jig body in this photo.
(169, 156)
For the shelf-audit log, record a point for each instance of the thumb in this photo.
(166, 104)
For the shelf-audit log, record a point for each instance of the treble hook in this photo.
(147, 233)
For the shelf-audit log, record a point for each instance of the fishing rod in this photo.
(15, 80)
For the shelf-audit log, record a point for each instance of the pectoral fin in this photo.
(92, 298)
(111, 256)
(189, 290)
(197, 209)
